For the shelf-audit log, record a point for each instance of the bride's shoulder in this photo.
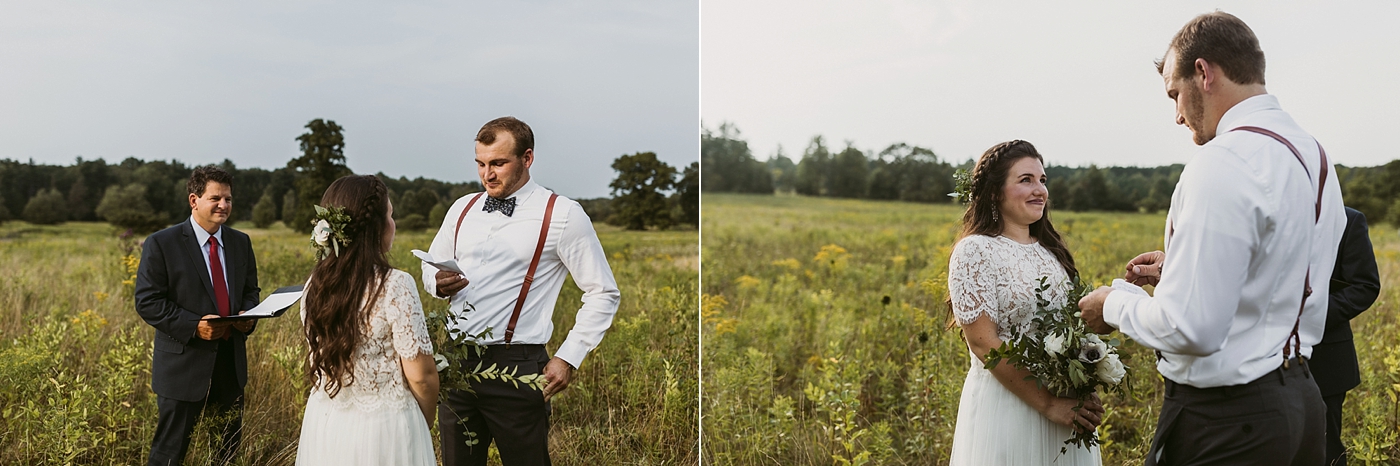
(972, 244)
(400, 279)
(971, 249)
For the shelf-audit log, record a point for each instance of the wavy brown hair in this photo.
(336, 301)
(988, 183)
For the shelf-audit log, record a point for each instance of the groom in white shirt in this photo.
(1253, 228)
(516, 242)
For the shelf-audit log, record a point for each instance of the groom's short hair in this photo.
(524, 138)
(1222, 39)
(201, 176)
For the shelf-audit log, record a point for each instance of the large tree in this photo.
(921, 176)
(321, 163)
(265, 212)
(730, 165)
(289, 207)
(812, 170)
(784, 171)
(847, 176)
(687, 195)
(638, 201)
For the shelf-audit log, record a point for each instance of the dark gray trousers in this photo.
(178, 418)
(1277, 419)
(516, 418)
(1336, 452)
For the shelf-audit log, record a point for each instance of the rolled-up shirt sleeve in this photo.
(583, 256)
(1207, 263)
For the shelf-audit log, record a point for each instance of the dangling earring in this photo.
(996, 218)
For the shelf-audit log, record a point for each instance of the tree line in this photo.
(916, 174)
(148, 195)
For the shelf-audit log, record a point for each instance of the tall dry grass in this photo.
(75, 356)
(826, 339)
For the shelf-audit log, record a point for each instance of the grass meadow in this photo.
(825, 337)
(75, 357)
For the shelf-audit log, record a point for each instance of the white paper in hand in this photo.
(449, 265)
(275, 302)
(1123, 285)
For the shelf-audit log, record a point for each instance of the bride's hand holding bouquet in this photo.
(1065, 357)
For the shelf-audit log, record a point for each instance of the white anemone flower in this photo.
(1092, 349)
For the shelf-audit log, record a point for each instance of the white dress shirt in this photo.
(1240, 239)
(202, 237)
(495, 251)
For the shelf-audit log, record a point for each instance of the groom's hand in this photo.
(1091, 310)
(1145, 269)
(449, 283)
(557, 375)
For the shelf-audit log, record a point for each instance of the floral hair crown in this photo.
(962, 186)
(329, 233)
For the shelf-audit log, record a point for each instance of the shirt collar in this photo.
(203, 236)
(1232, 117)
(523, 194)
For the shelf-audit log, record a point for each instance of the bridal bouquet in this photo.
(1064, 356)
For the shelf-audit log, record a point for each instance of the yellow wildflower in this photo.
(726, 326)
(710, 305)
(746, 282)
(832, 256)
(789, 263)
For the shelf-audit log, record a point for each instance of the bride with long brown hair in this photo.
(375, 383)
(1007, 245)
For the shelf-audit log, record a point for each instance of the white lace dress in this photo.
(997, 277)
(375, 420)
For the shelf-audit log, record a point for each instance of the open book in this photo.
(275, 304)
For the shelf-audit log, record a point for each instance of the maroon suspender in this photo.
(534, 262)
(1317, 216)
(530, 273)
(458, 231)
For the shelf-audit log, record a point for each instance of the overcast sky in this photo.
(410, 82)
(1074, 78)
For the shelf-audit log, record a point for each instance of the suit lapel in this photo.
(196, 260)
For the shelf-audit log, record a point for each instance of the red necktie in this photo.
(216, 271)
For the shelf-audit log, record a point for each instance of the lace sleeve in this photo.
(972, 279)
(405, 315)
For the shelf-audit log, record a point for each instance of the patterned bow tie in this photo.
(506, 206)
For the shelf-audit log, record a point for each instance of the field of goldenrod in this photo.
(75, 358)
(825, 337)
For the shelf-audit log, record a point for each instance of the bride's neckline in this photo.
(1018, 243)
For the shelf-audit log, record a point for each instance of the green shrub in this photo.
(46, 208)
(412, 222)
(126, 207)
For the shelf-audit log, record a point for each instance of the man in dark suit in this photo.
(1355, 285)
(190, 275)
